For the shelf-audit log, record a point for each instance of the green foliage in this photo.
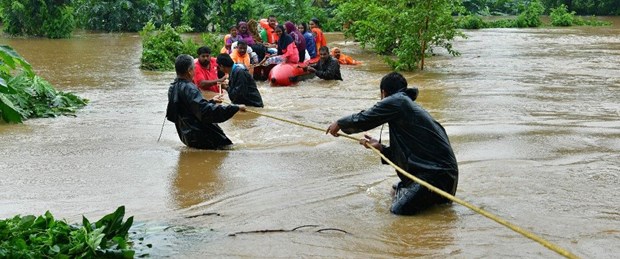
(160, 47)
(121, 15)
(513, 7)
(46, 237)
(587, 7)
(24, 95)
(470, 22)
(196, 14)
(531, 16)
(561, 17)
(48, 18)
(213, 41)
(407, 29)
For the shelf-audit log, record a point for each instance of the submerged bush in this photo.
(561, 17)
(25, 95)
(160, 47)
(46, 237)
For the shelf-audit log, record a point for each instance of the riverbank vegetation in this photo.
(528, 17)
(161, 46)
(25, 95)
(46, 237)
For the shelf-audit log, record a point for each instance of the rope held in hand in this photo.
(478, 210)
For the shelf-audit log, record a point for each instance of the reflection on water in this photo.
(198, 176)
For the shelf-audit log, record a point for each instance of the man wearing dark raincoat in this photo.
(418, 144)
(327, 68)
(241, 88)
(194, 117)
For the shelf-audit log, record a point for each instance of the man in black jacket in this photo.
(241, 86)
(418, 144)
(194, 117)
(327, 68)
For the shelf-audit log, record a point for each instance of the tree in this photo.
(408, 29)
(48, 18)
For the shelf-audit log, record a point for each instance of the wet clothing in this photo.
(328, 70)
(344, 59)
(242, 87)
(319, 38)
(418, 144)
(298, 38)
(310, 44)
(201, 73)
(195, 118)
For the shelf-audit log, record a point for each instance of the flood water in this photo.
(533, 116)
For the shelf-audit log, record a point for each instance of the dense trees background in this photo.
(58, 18)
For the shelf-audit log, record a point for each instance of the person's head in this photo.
(314, 23)
(184, 66)
(336, 52)
(290, 27)
(392, 83)
(225, 63)
(204, 55)
(279, 30)
(243, 27)
(242, 47)
(272, 21)
(253, 26)
(302, 27)
(324, 53)
(233, 31)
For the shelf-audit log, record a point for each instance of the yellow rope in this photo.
(489, 215)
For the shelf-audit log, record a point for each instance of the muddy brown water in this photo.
(533, 116)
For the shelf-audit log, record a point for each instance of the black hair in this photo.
(393, 83)
(271, 16)
(241, 42)
(281, 28)
(303, 24)
(224, 60)
(316, 22)
(324, 48)
(203, 50)
(233, 27)
(183, 63)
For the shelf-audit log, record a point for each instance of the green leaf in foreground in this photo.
(46, 237)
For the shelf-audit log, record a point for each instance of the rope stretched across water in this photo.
(451, 197)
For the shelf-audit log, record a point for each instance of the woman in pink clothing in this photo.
(287, 50)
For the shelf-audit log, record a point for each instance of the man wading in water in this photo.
(418, 145)
(194, 117)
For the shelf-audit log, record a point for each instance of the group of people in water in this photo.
(418, 143)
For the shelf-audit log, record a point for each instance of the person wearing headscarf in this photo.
(287, 50)
(298, 38)
(245, 34)
(342, 58)
(315, 26)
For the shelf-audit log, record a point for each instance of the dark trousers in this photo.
(412, 198)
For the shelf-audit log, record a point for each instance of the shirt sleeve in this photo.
(382, 112)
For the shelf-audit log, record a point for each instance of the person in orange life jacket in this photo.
(205, 76)
(270, 29)
(240, 55)
(194, 117)
(342, 58)
(418, 145)
(315, 27)
(287, 50)
(241, 85)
